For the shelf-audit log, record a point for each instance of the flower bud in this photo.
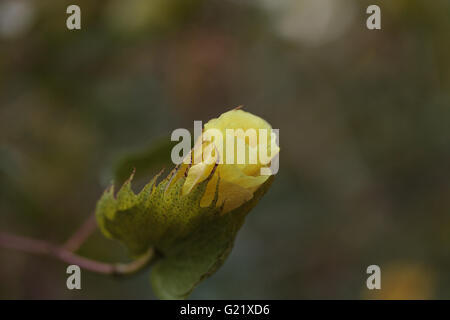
(191, 217)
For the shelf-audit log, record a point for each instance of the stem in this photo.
(81, 235)
(41, 247)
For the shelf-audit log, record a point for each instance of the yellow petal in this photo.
(238, 181)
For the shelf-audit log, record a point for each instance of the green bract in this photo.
(192, 241)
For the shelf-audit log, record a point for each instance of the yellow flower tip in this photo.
(238, 179)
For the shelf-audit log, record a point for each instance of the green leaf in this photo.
(192, 241)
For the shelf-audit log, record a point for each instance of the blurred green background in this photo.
(364, 119)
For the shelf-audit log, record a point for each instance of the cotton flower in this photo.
(182, 217)
(238, 174)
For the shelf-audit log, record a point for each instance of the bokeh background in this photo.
(364, 119)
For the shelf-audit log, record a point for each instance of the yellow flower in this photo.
(238, 179)
(178, 215)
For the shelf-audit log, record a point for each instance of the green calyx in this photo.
(192, 241)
